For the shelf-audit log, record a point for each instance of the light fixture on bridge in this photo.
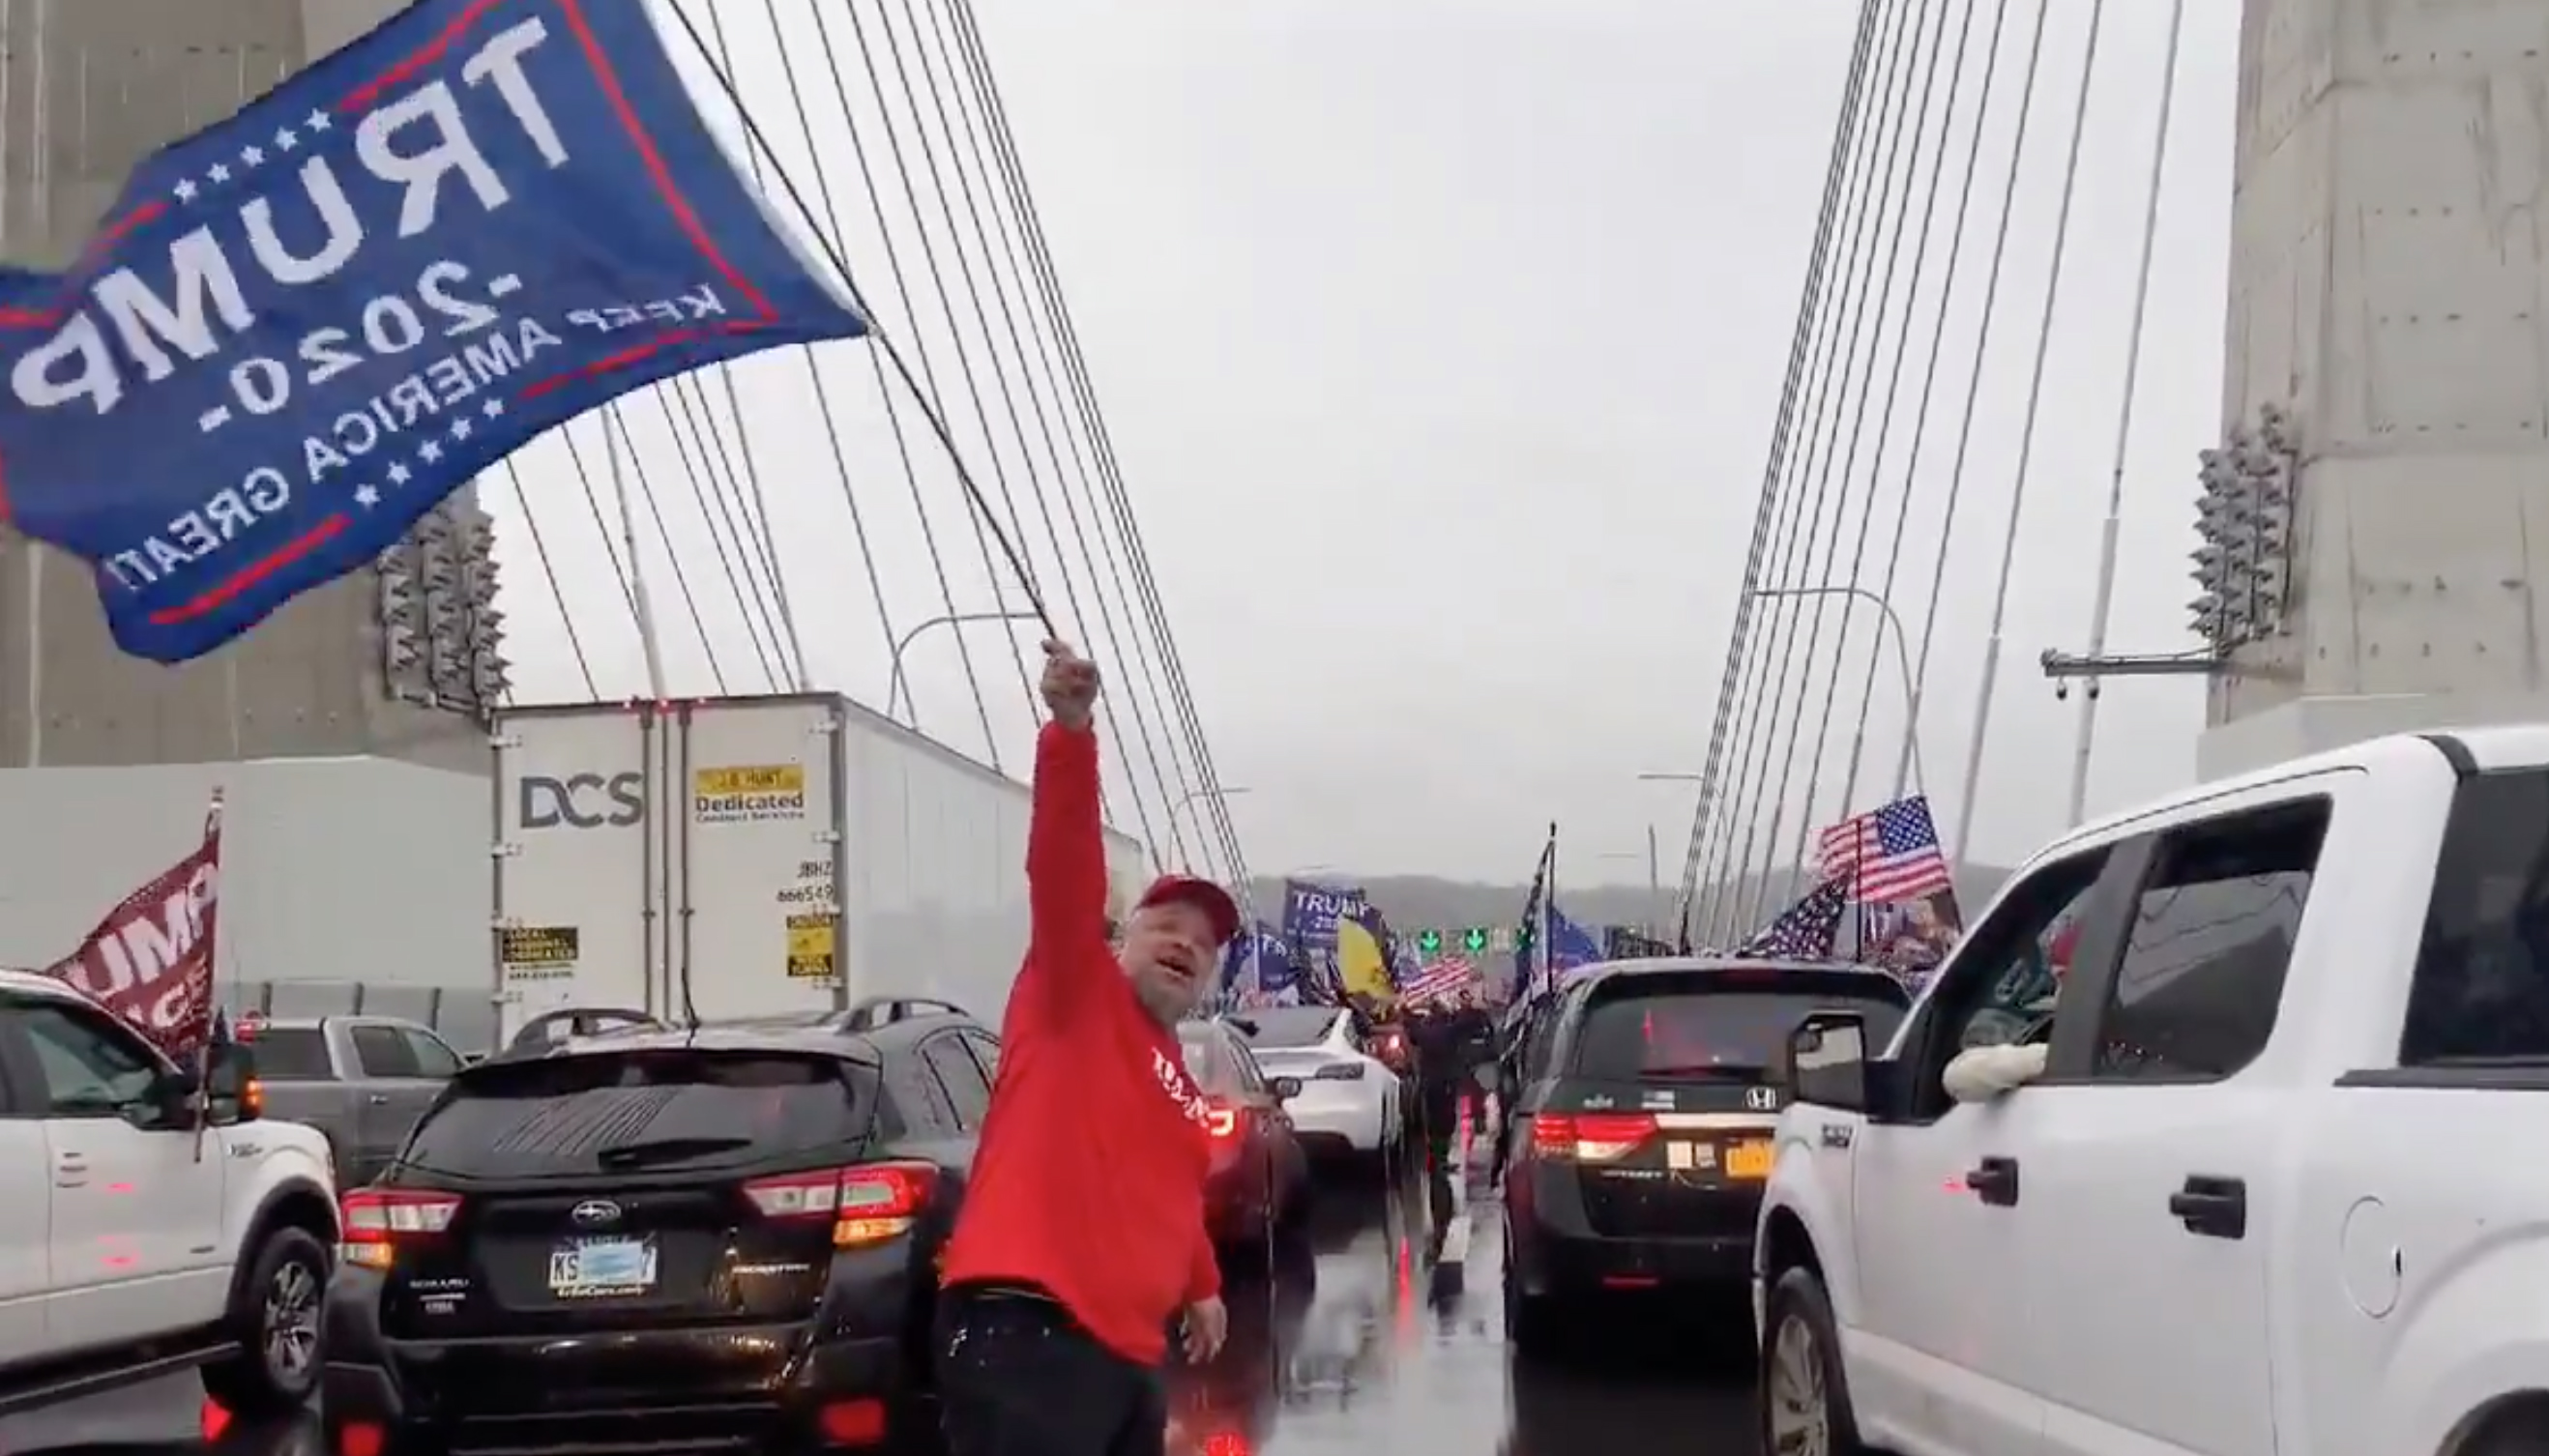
(441, 633)
(2242, 563)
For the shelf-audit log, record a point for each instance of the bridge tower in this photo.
(87, 87)
(2390, 289)
(2376, 518)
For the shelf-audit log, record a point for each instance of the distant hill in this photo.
(1413, 901)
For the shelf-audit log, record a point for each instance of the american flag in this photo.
(1441, 980)
(1887, 855)
(1806, 930)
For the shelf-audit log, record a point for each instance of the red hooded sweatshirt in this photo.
(1088, 1181)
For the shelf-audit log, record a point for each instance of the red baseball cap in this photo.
(1203, 894)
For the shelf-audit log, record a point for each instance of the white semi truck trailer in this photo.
(744, 856)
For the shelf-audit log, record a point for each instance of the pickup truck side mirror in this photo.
(472, 1059)
(236, 1094)
(1284, 1088)
(1827, 1060)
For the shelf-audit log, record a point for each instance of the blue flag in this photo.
(302, 327)
(1570, 945)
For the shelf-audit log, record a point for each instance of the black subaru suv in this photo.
(660, 1236)
(1642, 1131)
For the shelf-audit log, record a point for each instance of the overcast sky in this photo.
(1441, 345)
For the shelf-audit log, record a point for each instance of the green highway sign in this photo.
(1475, 940)
(1429, 940)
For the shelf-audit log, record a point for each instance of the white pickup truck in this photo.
(155, 1240)
(2279, 1187)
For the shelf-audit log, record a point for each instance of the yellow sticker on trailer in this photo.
(748, 792)
(810, 942)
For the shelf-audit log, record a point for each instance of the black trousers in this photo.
(1018, 1376)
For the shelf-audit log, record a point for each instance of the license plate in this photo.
(592, 1268)
(1748, 1160)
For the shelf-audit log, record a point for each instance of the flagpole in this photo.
(1549, 901)
(213, 965)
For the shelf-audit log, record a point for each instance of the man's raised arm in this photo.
(1066, 834)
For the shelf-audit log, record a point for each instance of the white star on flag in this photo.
(366, 498)
(252, 155)
(398, 473)
(492, 408)
(286, 139)
(429, 452)
(217, 172)
(185, 189)
(316, 121)
(460, 428)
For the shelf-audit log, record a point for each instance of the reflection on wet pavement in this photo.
(1383, 1332)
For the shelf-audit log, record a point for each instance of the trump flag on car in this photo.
(151, 960)
(299, 329)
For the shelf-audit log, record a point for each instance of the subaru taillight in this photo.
(866, 1205)
(1221, 1119)
(375, 1221)
(1589, 1136)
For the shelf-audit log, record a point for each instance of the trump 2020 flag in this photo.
(300, 328)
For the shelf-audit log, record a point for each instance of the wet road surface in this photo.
(1383, 1331)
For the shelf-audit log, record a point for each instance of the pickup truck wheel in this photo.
(1805, 1393)
(275, 1317)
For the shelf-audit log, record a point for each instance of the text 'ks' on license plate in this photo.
(588, 1269)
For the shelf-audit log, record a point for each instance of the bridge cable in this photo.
(1990, 315)
(1820, 606)
(1110, 469)
(1908, 775)
(878, 358)
(878, 337)
(965, 269)
(964, 182)
(2027, 438)
(1852, 594)
(2103, 605)
(1843, 133)
(1738, 900)
(894, 422)
(548, 573)
(1135, 666)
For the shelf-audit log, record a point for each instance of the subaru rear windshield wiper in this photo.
(666, 1149)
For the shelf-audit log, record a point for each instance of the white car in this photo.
(159, 1241)
(1349, 1102)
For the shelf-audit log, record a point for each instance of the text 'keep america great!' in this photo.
(300, 328)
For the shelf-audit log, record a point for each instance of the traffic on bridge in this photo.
(608, 843)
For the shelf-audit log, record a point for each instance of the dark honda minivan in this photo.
(1644, 1129)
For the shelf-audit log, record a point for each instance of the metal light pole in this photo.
(893, 691)
(1188, 805)
(1655, 870)
(1907, 768)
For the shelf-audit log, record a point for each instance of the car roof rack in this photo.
(550, 1028)
(885, 1011)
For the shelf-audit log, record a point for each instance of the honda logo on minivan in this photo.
(1761, 1099)
(595, 1213)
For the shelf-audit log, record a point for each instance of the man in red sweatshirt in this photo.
(1081, 1237)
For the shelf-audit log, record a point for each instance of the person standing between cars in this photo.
(1081, 1239)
